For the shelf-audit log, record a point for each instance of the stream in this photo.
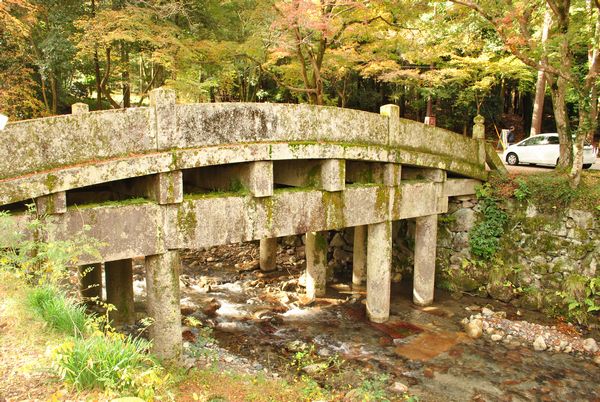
(263, 320)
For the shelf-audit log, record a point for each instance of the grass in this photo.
(59, 312)
(110, 362)
(24, 340)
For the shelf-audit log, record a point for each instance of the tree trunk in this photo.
(97, 74)
(540, 86)
(538, 104)
(126, 85)
(558, 89)
(54, 90)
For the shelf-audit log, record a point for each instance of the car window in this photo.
(553, 140)
(532, 141)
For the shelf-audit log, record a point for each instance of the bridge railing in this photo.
(39, 145)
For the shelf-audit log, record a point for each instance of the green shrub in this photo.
(60, 312)
(484, 238)
(36, 261)
(111, 362)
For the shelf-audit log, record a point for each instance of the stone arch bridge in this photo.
(151, 181)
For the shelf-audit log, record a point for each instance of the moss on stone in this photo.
(186, 219)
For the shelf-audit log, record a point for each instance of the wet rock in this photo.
(590, 345)
(474, 328)
(289, 285)
(211, 307)
(486, 312)
(496, 337)
(539, 343)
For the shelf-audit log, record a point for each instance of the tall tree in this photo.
(19, 96)
(569, 60)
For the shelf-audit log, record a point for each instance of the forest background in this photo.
(448, 59)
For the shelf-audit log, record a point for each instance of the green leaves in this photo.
(484, 238)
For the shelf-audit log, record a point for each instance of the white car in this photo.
(543, 149)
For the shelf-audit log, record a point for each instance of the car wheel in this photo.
(512, 159)
(587, 165)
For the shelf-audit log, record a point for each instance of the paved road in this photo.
(525, 169)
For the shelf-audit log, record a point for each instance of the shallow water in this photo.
(424, 348)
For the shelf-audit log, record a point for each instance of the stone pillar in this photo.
(119, 290)
(479, 135)
(163, 304)
(379, 267)
(392, 174)
(90, 281)
(167, 188)
(424, 270)
(268, 254)
(79, 108)
(316, 264)
(333, 175)
(163, 117)
(51, 204)
(359, 257)
(259, 178)
(393, 113)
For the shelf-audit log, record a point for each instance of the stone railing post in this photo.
(163, 118)
(479, 136)
(393, 113)
(79, 108)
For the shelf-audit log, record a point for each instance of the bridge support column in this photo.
(359, 257)
(424, 270)
(316, 264)
(90, 282)
(119, 290)
(379, 267)
(268, 254)
(163, 304)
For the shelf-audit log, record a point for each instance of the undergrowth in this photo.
(484, 237)
(93, 355)
(59, 312)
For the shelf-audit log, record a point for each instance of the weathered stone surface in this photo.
(163, 296)
(379, 266)
(52, 142)
(359, 259)
(316, 264)
(424, 271)
(76, 150)
(268, 254)
(51, 204)
(463, 220)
